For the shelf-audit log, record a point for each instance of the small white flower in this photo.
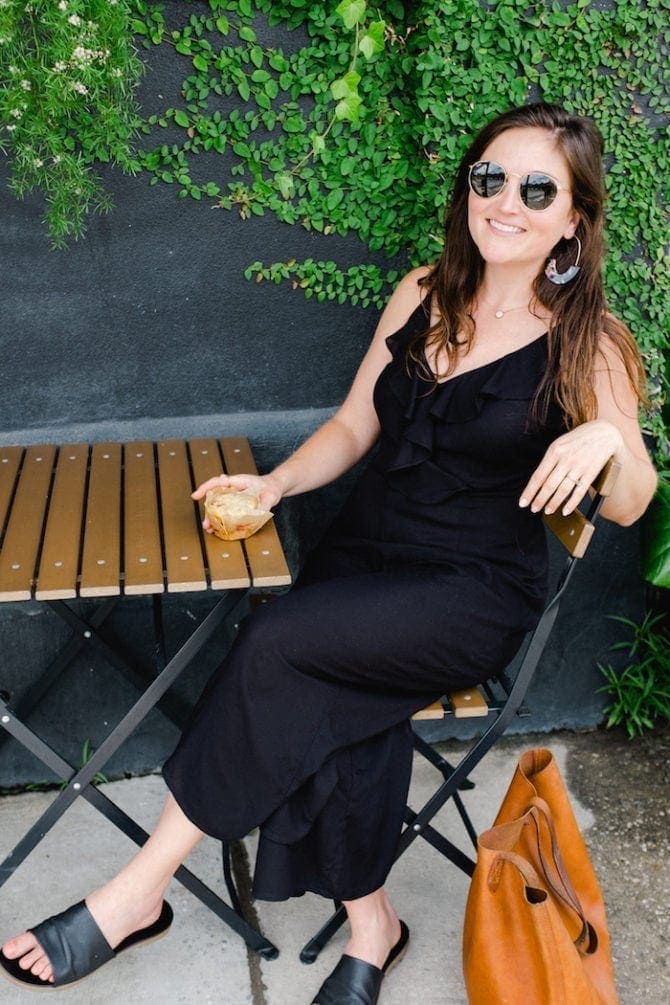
(79, 87)
(56, 159)
(12, 69)
(74, 19)
(25, 84)
(117, 72)
(16, 112)
(10, 128)
(77, 191)
(62, 5)
(39, 163)
(60, 66)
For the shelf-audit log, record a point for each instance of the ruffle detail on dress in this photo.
(457, 400)
(460, 399)
(419, 320)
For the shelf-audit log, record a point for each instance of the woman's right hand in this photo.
(266, 487)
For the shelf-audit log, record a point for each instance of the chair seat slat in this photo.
(183, 551)
(225, 559)
(59, 562)
(101, 557)
(142, 553)
(264, 552)
(26, 520)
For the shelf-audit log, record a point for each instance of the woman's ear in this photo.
(573, 223)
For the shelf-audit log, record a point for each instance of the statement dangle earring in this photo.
(561, 278)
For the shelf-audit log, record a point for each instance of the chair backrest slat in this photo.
(142, 553)
(225, 559)
(101, 555)
(575, 530)
(24, 530)
(59, 562)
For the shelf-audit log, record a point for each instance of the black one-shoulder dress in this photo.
(427, 581)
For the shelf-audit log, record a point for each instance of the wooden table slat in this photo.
(101, 559)
(143, 559)
(59, 562)
(10, 461)
(225, 559)
(183, 551)
(264, 552)
(24, 529)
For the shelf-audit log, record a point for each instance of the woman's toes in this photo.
(20, 945)
(42, 969)
(32, 959)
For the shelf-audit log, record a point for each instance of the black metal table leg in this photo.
(79, 781)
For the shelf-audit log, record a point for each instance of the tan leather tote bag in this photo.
(535, 930)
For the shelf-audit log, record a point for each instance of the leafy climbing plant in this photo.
(360, 129)
(354, 125)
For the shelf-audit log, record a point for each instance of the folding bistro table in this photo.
(114, 520)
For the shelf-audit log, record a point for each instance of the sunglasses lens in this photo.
(538, 190)
(487, 179)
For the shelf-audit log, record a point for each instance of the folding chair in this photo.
(500, 699)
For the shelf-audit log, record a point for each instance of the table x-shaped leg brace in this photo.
(79, 780)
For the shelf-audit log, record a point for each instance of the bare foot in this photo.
(116, 910)
(374, 930)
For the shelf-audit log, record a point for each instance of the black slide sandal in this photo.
(76, 947)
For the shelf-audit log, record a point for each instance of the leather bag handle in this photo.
(554, 874)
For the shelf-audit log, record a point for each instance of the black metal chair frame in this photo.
(505, 694)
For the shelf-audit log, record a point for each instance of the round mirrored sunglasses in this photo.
(537, 190)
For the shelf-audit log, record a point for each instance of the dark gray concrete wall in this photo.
(147, 328)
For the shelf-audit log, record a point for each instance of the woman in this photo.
(497, 385)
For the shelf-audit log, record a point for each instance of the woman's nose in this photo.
(509, 197)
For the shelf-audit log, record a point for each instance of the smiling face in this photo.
(506, 232)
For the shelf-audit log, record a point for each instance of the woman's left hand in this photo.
(570, 464)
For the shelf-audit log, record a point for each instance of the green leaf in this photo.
(318, 143)
(349, 108)
(347, 86)
(247, 34)
(181, 118)
(200, 63)
(285, 184)
(373, 40)
(223, 24)
(352, 12)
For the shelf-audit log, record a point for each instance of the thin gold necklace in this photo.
(500, 312)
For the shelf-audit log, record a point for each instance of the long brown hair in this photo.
(579, 312)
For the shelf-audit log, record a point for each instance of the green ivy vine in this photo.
(381, 165)
(357, 129)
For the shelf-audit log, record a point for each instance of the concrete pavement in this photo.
(620, 794)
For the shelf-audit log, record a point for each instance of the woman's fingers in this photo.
(225, 481)
(211, 483)
(264, 486)
(570, 464)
